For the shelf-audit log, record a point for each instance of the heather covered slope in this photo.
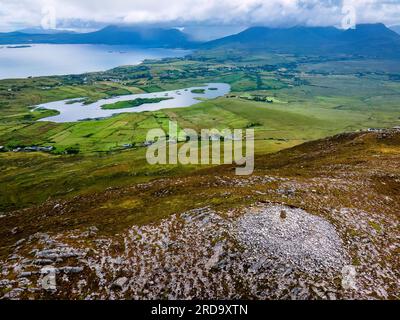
(342, 191)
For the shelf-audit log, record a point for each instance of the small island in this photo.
(199, 91)
(19, 47)
(132, 103)
(82, 100)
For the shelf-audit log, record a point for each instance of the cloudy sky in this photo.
(17, 14)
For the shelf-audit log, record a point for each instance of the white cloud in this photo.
(15, 14)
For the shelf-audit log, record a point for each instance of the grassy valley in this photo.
(297, 106)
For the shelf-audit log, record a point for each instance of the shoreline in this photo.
(102, 55)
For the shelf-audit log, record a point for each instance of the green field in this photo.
(305, 101)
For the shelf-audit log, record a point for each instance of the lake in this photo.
(53, 59)
(72, 110)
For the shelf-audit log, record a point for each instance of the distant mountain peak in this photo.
(369, 40)
(40, 30)
(112, 35)
(396, 29)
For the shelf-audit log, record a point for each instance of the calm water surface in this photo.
(72, 110)
(54, 59)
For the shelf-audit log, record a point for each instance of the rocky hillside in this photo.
(318, 221)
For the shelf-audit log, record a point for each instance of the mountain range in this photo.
(111, 35)
(372, 40)
(369, 40)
